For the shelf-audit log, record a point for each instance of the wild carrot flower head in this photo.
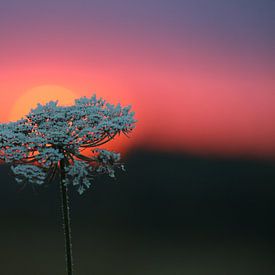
(35, 144)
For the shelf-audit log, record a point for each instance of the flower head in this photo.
(36, 144)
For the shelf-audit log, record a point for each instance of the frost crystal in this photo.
(49, 134)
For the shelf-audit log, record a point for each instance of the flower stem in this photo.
(66, 219)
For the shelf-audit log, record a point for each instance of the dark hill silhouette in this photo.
(163, 190)
(166, 209)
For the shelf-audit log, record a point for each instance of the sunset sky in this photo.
(198, 73)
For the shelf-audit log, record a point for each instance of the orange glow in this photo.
(45, 93)
(223, 110)
(197, 83)
(42, 95)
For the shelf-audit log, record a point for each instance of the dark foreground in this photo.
(169, 214)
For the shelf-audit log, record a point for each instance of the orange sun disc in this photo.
(42, 95)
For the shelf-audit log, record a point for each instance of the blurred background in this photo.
(198, 196)
(168, 214)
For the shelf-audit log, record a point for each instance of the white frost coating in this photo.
(80, 175)
(50, 133)
(33, 173)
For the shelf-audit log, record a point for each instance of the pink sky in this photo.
(195, 90)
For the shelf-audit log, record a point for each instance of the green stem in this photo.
(66, 219)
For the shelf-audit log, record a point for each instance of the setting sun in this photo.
(42, 95)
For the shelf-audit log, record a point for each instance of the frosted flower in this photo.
(50, 134)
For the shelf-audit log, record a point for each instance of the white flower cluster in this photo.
(80, 175)
(36, 144)
(33, 173)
